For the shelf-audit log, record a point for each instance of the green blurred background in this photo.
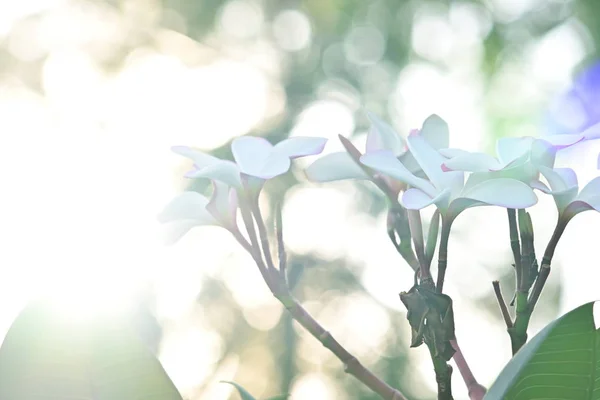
(93, 94)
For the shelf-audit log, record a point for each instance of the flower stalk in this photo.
(277, 284)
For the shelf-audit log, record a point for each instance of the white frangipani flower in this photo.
(564, 188)
(254, 156)
(446, 189)
(191, 209)
(257, 160)
(381, 137)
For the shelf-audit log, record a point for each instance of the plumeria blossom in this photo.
(446, 189)
(191, 209)
(518, 158)
(256, 161)
(254, 157)
(564, 188)
(381, 137)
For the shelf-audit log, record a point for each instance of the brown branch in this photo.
(281, 291)
(476, 391)
(502, 304)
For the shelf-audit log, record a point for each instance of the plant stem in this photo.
(526, 302)
(352, 365)
(476, 391)
(443, 374)
(443, 253)
(502, 304)
(262, 232)
(514, 240)
(281, 291)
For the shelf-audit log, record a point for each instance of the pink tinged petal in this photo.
(475, 162)
(593, 132)
(256, 157)
(385, 162)
(299, 146)
(335, 167)
(383, 137)
(509, 149)
(563, 141)
(435, 132)
(223, 171)
(187, 206)
(199, 158)
(509, 193)
(577, 206)
(431, 162)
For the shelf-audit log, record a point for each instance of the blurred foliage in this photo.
(326, 60)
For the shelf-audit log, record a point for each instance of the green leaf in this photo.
(46, 356)
(560, 362)
(243, 392)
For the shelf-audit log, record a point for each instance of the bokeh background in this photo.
(93, 94)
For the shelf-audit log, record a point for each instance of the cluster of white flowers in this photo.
(421, 169)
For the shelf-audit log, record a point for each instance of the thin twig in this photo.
(514, 241)
(281, 254)
(443, 253)
(502, 304)
(476, 391)
(262, 233)
(546, 262)
(280, 290)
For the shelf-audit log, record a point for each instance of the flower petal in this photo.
(250, 153)
(451, 152)
(256, 157)
(511, 148)
(220, 206)
(199, 158)
(299, 146)
(562, 141)
(542, 153)
(591, 190)
(187, 206)
(474, 162)
(416, 199)
(435, 132)
(593, 132)
(172, 231)
(431, 162)
(504, 192)
(223, 171)
(334, 167)
(560, 179)
(383, 137)
(385, 162)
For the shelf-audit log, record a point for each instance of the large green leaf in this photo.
(46, 356)
(560, 362)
